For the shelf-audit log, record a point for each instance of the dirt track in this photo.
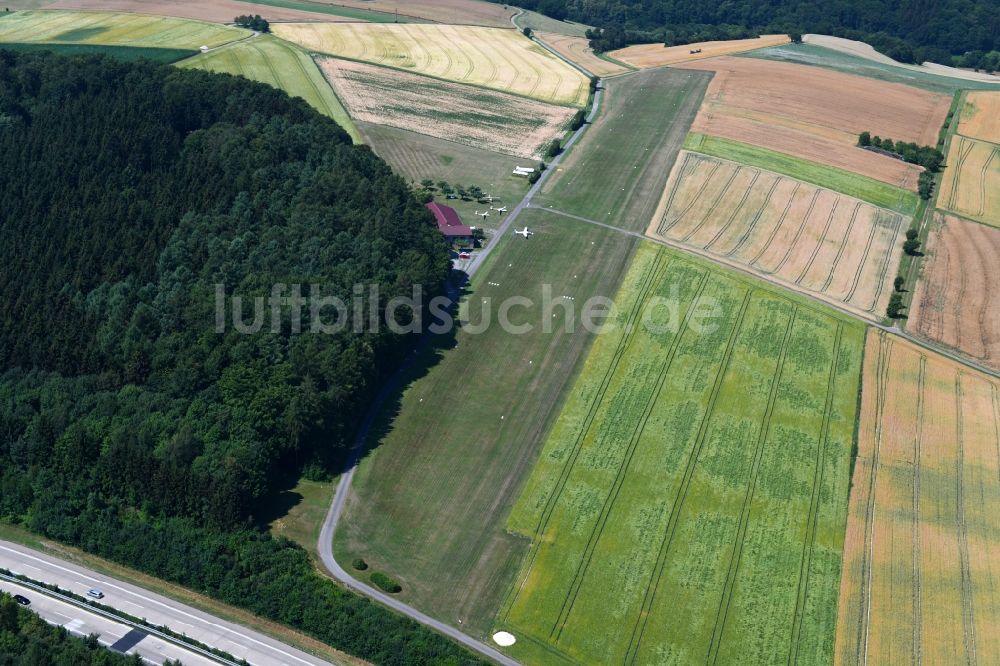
(817, 113)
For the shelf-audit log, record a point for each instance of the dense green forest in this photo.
(128, 425)
(27, 640)
(907, 30)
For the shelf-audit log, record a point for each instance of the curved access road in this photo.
(242, 643)
(329, 528)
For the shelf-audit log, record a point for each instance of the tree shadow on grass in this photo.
(427, 352)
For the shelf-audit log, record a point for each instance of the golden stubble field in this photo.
(658, 55)
(957, 302)
(971, 182)
(980, 118)
(816, 114)
(472, 116)
(804, 237)
(578, 50)
(494, 58)
(921, 580)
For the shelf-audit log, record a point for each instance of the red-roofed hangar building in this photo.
(450, 224)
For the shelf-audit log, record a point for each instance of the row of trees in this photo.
(904, 30)
(255, 23)
(928, 157)
(131, 425)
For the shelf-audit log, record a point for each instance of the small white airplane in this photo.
(485, 214)
(524, 232)
(501, 209)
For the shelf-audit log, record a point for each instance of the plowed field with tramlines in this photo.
(971, 183)
(699, 463)
(922, 557)
(834, 246)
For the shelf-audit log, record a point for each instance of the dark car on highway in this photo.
(21, 600)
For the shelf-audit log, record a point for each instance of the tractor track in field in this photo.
(722, 612)
(637, 433)
(881, 385)
(751, 226)
(915, 538)
(623, 346)
(968, 608)
(649, 597)
(805, 564)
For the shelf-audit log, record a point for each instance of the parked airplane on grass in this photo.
(524, 232)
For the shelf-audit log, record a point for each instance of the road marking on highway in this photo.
(159, 603)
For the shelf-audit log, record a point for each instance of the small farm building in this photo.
(450, 224)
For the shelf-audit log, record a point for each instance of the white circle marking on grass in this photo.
(504, 639)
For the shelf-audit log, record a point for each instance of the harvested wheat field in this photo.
(489, 57)
(105, 28)
(657, 55)
(473, 116)
(921, 580)
(833, 246)
(578, 50)
(216, 11)
(971, 183)
(957, 302)
(817, 114)
(980, 117)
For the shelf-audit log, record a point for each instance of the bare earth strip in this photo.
(503, 60)
(980, 118)
(816, 114)
(217, 11)
(957, 303)
(578, 50)
(657, 55)
(971, 183)
(920, 560)
(473, 116)
(798, 235)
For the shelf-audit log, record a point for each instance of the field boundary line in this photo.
(968, 609)
(631, 654)
(915, 555)
(626, 464)
(736, 556)
(843, 246)
(753, 222)
(808, 546)
(646, 285)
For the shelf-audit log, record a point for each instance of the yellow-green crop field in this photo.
(108, 28)
(281, 65)
(489, 57)
(689, 505)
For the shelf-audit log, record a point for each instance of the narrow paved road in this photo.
(242, 643)
(344, 485)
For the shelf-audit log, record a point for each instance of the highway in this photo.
(242, 643)
(112, 635)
